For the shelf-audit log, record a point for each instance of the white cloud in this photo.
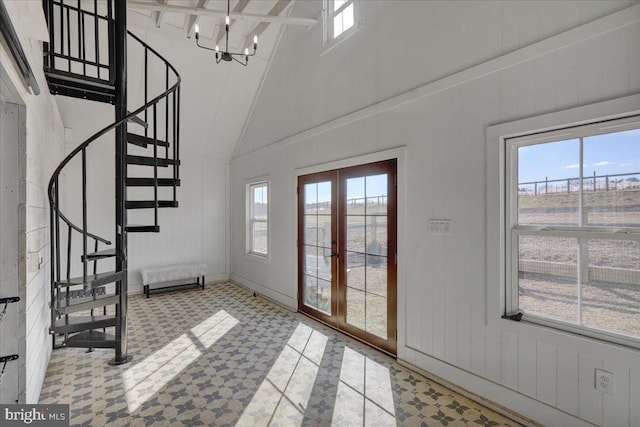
(624, 165)
(572, 166)
(605, 163)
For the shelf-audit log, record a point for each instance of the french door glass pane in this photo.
(375, 322)
(310, 291)
(356, 308)
(376, 273)
(355, 233)
(376, 191)
(324, 231)
(311, 230)
(355, 196)
(324, 296)
(367, 249)
(356, 270)
(317, 246)
(377, 235)
(311, 198)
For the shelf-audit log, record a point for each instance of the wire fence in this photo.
(356, 202)
(593, 183)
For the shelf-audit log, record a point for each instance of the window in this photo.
(572, 237)
(340, 18)
(258, 219)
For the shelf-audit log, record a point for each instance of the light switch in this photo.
(440, 226)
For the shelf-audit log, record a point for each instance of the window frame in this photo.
(621, 113)
(329, 39)
(251, 185)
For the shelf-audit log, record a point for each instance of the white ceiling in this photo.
(216, 98)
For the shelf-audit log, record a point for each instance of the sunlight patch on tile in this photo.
(146, 378)
(364, 396)
(284, 394)
(214, 328)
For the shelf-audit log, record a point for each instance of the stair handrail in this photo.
(108, 128)
(79, 230)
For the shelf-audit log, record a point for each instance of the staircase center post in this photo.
(120, 69)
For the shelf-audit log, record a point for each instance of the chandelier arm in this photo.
(238, 61)
(204, 47)
(242, 53)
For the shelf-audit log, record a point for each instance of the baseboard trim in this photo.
(509, 403)
(277, 298)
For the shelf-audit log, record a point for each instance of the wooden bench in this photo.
(173, 273)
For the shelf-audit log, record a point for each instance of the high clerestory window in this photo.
(340, 18)
(258, 218)
(572, 229)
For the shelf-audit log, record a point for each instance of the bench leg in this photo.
(203, 283)
(146, 290)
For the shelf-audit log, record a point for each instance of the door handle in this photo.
(335, 255)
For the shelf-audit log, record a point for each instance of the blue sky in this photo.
(608, 154)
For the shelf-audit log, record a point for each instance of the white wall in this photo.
(44, 149)
(431, 77)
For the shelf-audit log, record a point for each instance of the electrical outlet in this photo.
(605, 381)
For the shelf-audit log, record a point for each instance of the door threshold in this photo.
(343, 332)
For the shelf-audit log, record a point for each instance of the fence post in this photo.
(594, 181)
(568, 186)
(606, 180)
(535, 188)
(546, 185)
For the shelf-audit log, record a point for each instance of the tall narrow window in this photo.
(340, 18)
(573, 229)
(258, 219)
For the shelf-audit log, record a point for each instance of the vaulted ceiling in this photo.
(217, 98)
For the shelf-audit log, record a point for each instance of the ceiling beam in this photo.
(194, 19)
(239, 7)
(201, 11)
(276, 10)
(159, 14)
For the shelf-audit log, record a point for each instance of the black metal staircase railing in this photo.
(76, 63)
(153, 156)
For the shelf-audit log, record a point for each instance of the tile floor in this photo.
(222, 357)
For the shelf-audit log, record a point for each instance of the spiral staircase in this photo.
(86, 57)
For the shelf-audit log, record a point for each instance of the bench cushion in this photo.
(168, 273)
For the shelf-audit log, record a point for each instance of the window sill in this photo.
(266, 259)
(561, 335)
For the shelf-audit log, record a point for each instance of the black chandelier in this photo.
(226, 55)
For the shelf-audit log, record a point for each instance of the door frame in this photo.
(398, 153)
(390, 343)
(329, 175)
